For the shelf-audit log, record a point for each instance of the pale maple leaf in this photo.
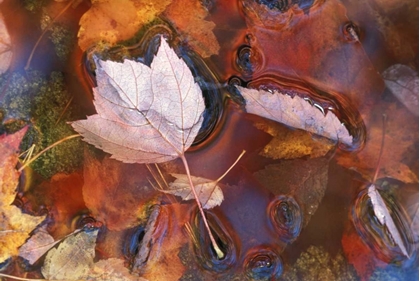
(295, 112)
(15, 226)
(208, 191)
(145, 114)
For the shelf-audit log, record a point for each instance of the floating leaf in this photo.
(295, 112)
(208, 191)
(384, 217)
(162, 106)
(15, 226)
(404, 85)
(72, 259)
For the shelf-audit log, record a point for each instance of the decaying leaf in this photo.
(292, 144)
(145, 115)
(116, 20)
(72, 259)
(404, 85)
(37, 246)
(15, 226)
(401, 137)
(5, 46)
(382, 213)
(116, 194)
(208, 191)
(295, 112)
(191, 24)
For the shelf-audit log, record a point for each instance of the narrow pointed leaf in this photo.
(382, 213)
(295, 112)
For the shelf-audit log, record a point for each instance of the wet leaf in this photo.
(117, 20)
(404, 85)
(115, 193)
(37, 246)
(208, 191)
(5, 46)
(72, 259)
(15, 226)
(295, 112)
(145, 115)
(382, 214)
(191, 24)
(401, 145)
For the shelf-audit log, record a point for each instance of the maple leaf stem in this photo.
(46, 149)
(216, 247)
(382, 149)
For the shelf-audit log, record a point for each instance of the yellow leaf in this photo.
(14, 225)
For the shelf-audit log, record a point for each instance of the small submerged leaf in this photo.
(111, 269)
(72, 259)
(295, 112)
(209, 192)
(5, 46)
(404, 85)
(382, 214)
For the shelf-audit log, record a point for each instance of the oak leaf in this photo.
(162, 106)
(295, 112)
(192, 26)
(15, 226)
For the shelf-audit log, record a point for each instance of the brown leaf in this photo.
(116, 193)
(145, 115)
(191, 24)
(37, 246)
(295, 112)
(305, 180)
(116, 20)
(14, 225)
(400, 155)
(404, 85)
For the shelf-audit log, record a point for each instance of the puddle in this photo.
(296, 206)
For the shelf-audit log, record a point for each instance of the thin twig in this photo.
(28, 63)
(46, 149)
(64, 110)
(231, 167)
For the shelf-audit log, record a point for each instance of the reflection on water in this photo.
(287, 217)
